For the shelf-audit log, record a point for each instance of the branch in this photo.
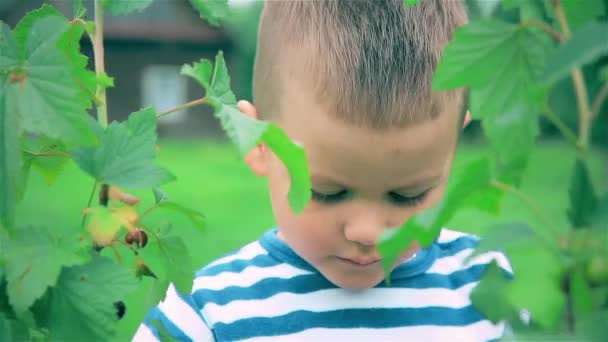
(545, 27)
(98, 51)
(599, 99)
(48, 154)
(184, 106)
(533, 207)
(562, 127)
(582, 99)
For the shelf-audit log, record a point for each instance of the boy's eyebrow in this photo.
(429, 182)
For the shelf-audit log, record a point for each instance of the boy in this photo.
(351, 81)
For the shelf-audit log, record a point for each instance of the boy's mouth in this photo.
(361, 261)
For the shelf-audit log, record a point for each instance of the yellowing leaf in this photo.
(127, 216)
(103, 225)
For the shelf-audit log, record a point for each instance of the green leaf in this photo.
(410, 2)
(34, 260)
(592, 327)
(86, 295)
(168, 258)
(489, 295)
(9, 50)
(126, 154)
(499, 61)
(246, 132)
(121, 7)
(78, 9)
(578, 13)
(425, 226)
(196, 217)
(584, 46)
(49, 156)
(582, 298)
(159, 196)
(10, 157)
(48, 100)
(504, 237)
(512, 134)
(12, 330)
(545, 300)
(527, 9)
(583, 200)
(86, 79)
(211, 10)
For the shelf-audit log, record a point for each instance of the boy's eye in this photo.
(410, 201)
(332, 197)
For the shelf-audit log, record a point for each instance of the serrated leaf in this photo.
(578, 14)
(39, 152)
(497, 58)
(159, 196)
(78, 9)
(9, 50)
(512, 134)
(583, 200)
(85, 79)
(489, 295)
(196, 217)
(582, 298)
(10, 157)
(121, 7)
(12, 330)
(34, 259)
(584, 46)
(545, 300)
(211, 10)
(48, 100)
(425, 226)
(168, 258)
(86, 295)
(126, 154)
(246, 132)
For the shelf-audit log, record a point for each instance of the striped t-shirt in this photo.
(265, 291)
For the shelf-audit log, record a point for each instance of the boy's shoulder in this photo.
(456, 252)
(243, 268)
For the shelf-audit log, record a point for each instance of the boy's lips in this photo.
(359, 261)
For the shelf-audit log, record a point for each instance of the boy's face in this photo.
(363, 180)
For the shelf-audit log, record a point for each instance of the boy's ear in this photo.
(467, 119)
(255, 159)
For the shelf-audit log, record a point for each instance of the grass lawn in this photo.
(213, 179)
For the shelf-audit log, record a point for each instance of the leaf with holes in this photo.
(34, 259)
(79, 296)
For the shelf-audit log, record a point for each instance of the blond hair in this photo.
(368, 62)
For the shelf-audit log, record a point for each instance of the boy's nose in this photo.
(364, 232)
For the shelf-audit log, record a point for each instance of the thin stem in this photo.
(98, 51)
(184, 106)
(48, 154)
(545, 27)
(599, 99)
(582, 99)
(145, 213)
(84, 216)
(534, 208)
(561, 126)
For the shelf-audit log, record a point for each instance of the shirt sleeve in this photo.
(176, 316)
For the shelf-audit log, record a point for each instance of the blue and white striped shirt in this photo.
(266, 291)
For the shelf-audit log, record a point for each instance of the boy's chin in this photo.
(355, 282)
